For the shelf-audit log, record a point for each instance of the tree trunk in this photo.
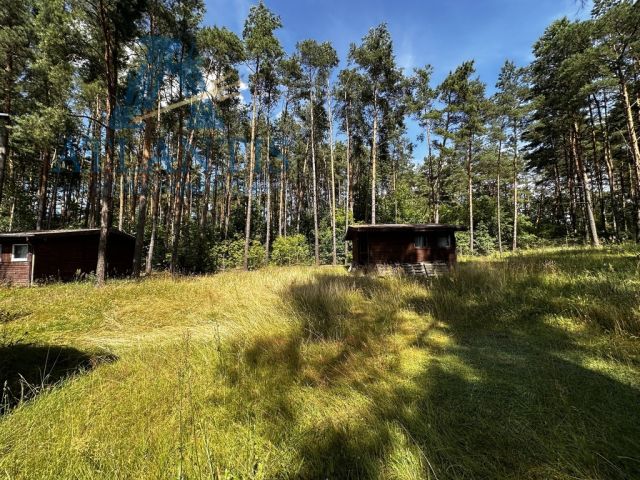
(634, 195)
(179, 181)
(438, 184)
(470, 193)
(598, 168)
(282, 192)
(559, 209)
(155, 208)
(374, 153)
(133, 190)
(267, 242)
(42, 188)
(228, 184)
(4, 132)
(514, 245)
(94, 174)
(633, 140)
(609, 164)
(149, 127)
(252, 160)
(568, 165)
(499, 211)
(204, 208)
(111, 77)
(214, 201)
(333, 183)
(348, 205)
(186, 216)
(584, 179)
(623, 194)
(431, 174)
(394, 179)
(54, 200)
(121, 199)
(315, 188)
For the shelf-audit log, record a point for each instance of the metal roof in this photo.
(393, 227)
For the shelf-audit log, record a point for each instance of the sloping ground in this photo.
(527, 367)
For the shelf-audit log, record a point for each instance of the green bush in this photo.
(462, 243)
(229, 254)
(530, 240)
(483, 242)
(291, 250)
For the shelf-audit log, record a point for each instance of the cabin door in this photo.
(441, 247)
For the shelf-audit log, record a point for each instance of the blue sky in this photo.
(441, 33)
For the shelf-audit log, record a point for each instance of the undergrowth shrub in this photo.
(228, 254)
(483, 242)
(291, 250)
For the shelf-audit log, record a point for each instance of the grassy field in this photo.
(526, 367)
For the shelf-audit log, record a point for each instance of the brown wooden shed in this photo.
(423, 248)
(28, 257)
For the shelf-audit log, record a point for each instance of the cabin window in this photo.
(421, 241)
(19, 252)
(443, 241)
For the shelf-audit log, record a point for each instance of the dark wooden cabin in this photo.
(422, 249)
(28, 257)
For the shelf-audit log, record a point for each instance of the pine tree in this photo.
(317, 60)
(261, 48)
(375, 58)
(511, 98)
(111, 23)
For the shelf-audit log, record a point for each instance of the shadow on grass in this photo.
(28, 369)
(510, 394)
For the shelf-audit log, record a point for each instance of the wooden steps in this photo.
(423, 269)
(414, 269)
(436, 269)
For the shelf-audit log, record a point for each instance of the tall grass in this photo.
(522, 367)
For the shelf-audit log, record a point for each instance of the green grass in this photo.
(522, 367)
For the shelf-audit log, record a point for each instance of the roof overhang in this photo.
(60, 233)
(354, 230)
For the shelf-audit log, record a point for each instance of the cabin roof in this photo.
(401, 227)
(59, 233)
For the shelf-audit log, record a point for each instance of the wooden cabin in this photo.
(28, 257)
(417, 249)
